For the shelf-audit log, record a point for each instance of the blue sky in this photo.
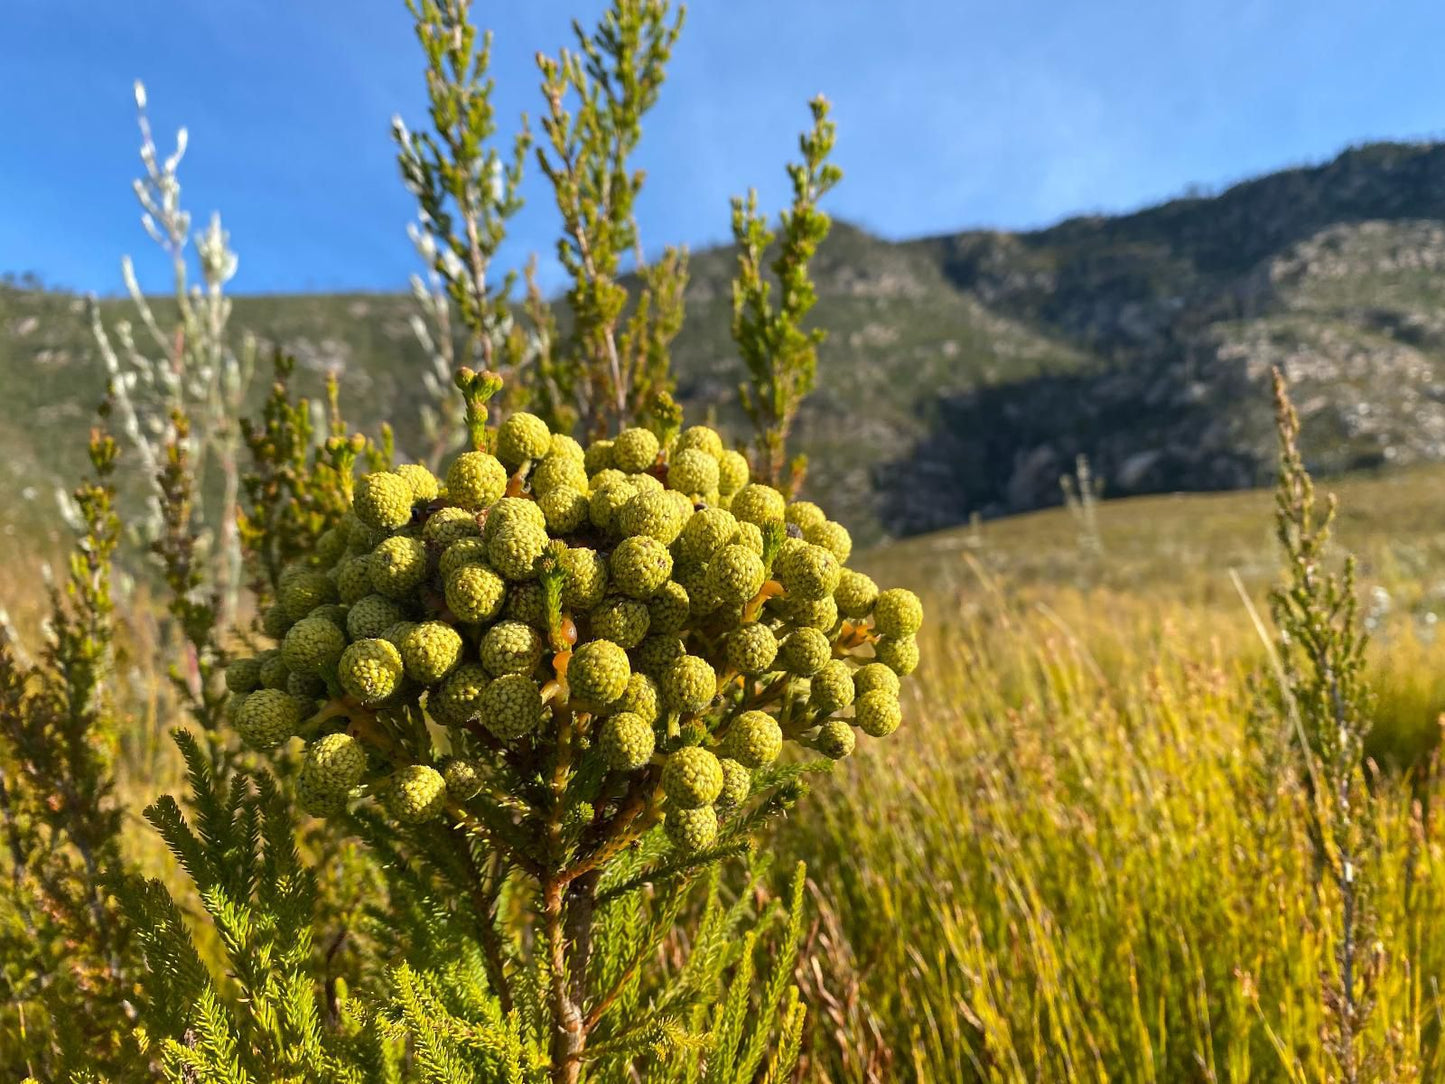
(951, 114)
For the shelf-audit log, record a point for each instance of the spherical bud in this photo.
(832, 688)
(464, 551)
(625, 742)
(243, 675)
(692, 472)
(607, 477)
(398, 566)
(522, 437)
(760, 504)
(353, 579)
(598, 456)
(874, 676)
(360, 537)
(447, 526)
(511, 707)
(732, 473)
(270, 717)
(333, 612)
(527, 603)
(430, 651)
(372, 616)
(808, 573)
(423, 483)
(855, 594)
(607, 500)
(416, 794)
(556, 471)
(668, 610)
(692, 777)
(370, 670)
(510, 647)
(383, 501)
(584, 581)
(898, 613)
(804, 514)
(898, 654)
(734, 575)
(565, 447)
(640, 698)
(749, 535)
(476, 480)
(274, 671)
(514, 550)
(835, 739)
(833, 537)
(699, 438)
(475, 593)
(656, 653)
(650, 514)
(821, 614)
(804, 652)
(737, 784)
(752, 649)
(639, 566)
(597, 673)
(334, 763)
(877, 713)
(688, 685)
(709, 530)
(565, 509)
(624, 621)
(305, 686)
(754, 739)
(691, 830)
(463, 779)
(692, 575)
(317, 801)
(394, 634)
(635, 450)
(458, 699)
(511, 512)
(313, 645)
(305, 592)
(331, 545)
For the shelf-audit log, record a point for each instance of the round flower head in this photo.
(709, 530)
(607, 477)
(874, 676)
(835, 739)
(639, 566)
(734, 576)
(900, 655)
(527, 603)
(855, 594)
(640, 698)
(312, 646)
(692, 575)
(370, 670)
(305, 592)
(306, 686)
(688, 685)
(656, 653)
(522, 437)
(446, 526)
(243, 675)
(333, 612)
(424, 484)
(804, 652)
(833, 537)
(808, 572)
(624, 621)
(607, 500)
(476, 480)
(832, 688)
(566, 447)
(737, 784)
(462, 778)
(464, 551)
(511, 512)
(565, 509)
(691, 830)
(625, 742)
(558, 470)
(760, 504)
(754, 739)
(429, 651)
(650, 514)
(398, 566)
(897, 613)
(372, 616)
(598, 456)
(383, 500)
(822, 614)
(752, 649)
(691, 777)
(584, 578)
(270, 717)
(334, 763)
(510, 647)
(475, 593)
(394, 635)
(416, 793)
(332, 544)
(749, 535)
(646, 483)
(360, 537)
(597, 673)
(667, 610)
(511, 707)
(804, 514)
(877, 713)
(699, 438)
(274, 670)
(635, 450)
(732, 473)
(316, 801)
(353, 579)
(514, 550)
(692, 472)
(458, 699)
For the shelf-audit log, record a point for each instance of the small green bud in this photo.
(416, 794)
(692, 777)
